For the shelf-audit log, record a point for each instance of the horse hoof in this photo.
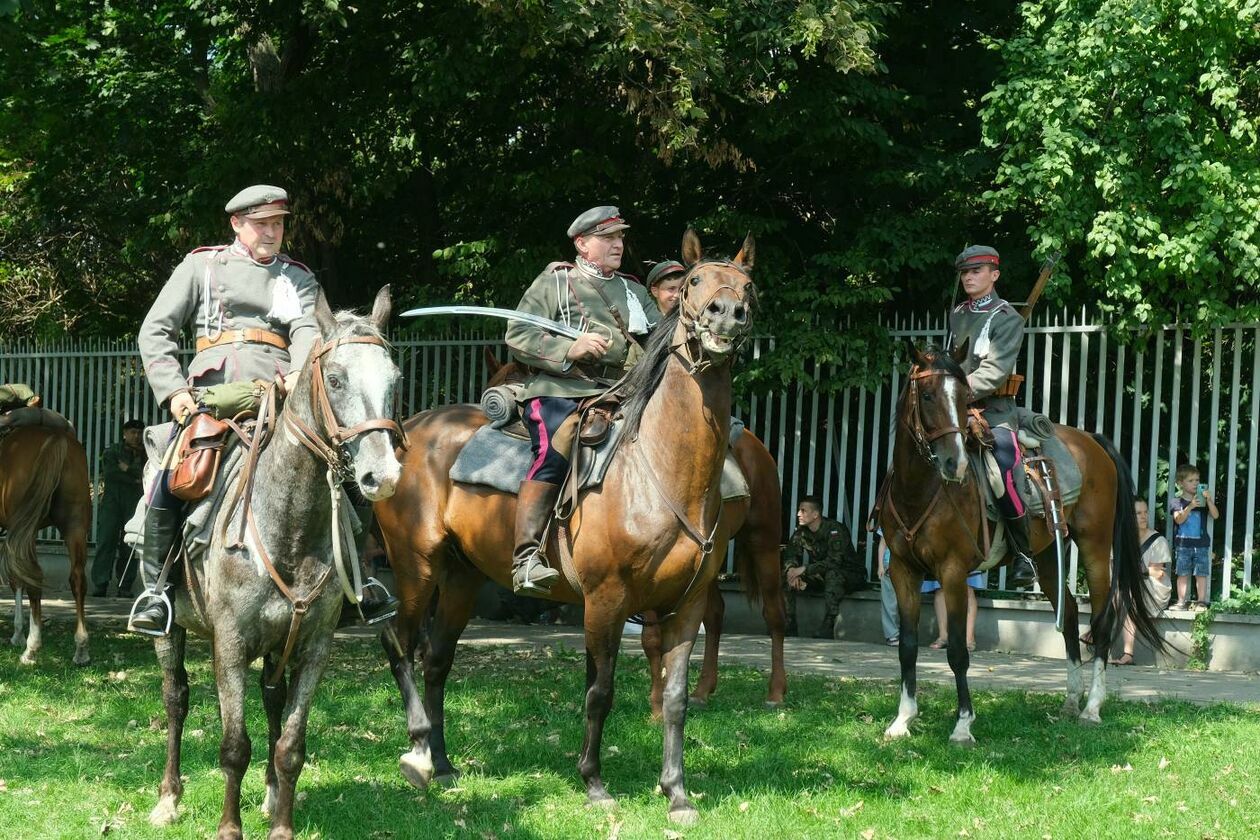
(449, 779)
(698, 702)
(604, 803)
(772, 705)
(280, 834)
(18, 641)
(417, 768)
(896, 731)
(1089, 720)
(165, 813)
(269, 802)
(963, 741)
(1071, 711)
(27, 659)
(684, 815)
(81, 658)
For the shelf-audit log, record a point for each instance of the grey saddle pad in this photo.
(494, 459)
(33, 416)
(1066, 472)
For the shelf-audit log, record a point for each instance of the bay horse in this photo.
(647, 539)
(273, 599)
(930, 465)
(757, 528)
(43, 482)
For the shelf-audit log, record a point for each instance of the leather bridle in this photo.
(695, 323)
(913, 419)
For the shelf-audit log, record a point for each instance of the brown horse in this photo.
(758, 530)
(933, 519)
(631, 550)
(44, 482)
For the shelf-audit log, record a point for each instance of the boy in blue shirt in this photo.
(1190, 510)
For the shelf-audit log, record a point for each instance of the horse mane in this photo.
(351, 323)
(646, 376)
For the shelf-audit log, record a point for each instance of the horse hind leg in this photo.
(35, 632)
(458, 597)
(18, 638)
(1048, 576)
(274, 698)
(650, 638)
(77, 545)
(714, 613)
(170, 655)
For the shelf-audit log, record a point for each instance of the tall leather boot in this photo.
(534, 503)
(150, 615)
(376, 603)
(1022, 572)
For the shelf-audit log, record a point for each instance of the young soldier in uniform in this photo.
(121, 465)
(819, 555)
(664, 282)
(615, 314)
(996, 333)
(251, 309)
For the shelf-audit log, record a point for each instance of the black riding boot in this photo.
(534, 503)
(376, 603)
(827, 628)
(1022, 572)
(151, 612)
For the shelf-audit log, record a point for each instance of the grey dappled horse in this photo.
(243, 609)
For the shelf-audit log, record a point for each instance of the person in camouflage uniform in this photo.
(819, 556)
(251, 310)
(996, 333)
(615, 313)
(121, 465)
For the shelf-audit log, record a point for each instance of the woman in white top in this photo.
(1155, 558)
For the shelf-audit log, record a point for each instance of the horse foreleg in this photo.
(957, 599)
(399, 640)
(714, 613)
(170, 655)
(651, 641)
(77, 546)
(458, 597)
(1048, 576)
(290, 749)
(1092, 712)
(679, 637)
(603, 638)
(234, 748)
(274, 698)
(909, 602)
(19, 638)
(34, 633)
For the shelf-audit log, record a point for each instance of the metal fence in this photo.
(1171, 399)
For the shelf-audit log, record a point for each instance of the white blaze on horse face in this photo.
(956, 439)
(376, 468)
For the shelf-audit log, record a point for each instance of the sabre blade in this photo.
(495, 312)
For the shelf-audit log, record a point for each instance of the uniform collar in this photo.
(242, 250)
(983, 304)
(592, 269)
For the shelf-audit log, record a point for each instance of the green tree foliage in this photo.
(1127, 131)
(445, 147)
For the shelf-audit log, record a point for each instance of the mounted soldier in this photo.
(994, 332)
(615, 313)
(251, 309)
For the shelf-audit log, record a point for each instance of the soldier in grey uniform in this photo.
(615, 314)
(251, 311)
(996, 333)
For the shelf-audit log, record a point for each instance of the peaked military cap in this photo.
(597, 221)
(260, 201)
(133, 424)
(664, 269)
(974, 255)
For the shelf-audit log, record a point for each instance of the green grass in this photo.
(82, 750)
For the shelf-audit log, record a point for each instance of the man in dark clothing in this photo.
(820, 557)
(121, 466)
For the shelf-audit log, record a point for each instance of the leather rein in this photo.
(328, 444)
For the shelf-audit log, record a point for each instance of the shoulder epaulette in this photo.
(629, 276)
(207, 248)
(961, 307)
(552, 266)
(286, 258)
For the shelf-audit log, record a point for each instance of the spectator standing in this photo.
(888, 615)
(1190, 509)
(1155, 557)
(974, 581)
(121, 465)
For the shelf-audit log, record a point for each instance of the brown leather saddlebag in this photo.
(199, 451)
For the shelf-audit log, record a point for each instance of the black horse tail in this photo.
(1129, 595)
(19, 564)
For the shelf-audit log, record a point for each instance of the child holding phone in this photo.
(1190, 509)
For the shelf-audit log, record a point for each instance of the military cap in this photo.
(260, 201)
(663, 269)
(597, 221)
(133, 424)
(974, 255)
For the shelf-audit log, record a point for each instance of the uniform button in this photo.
(228, 313)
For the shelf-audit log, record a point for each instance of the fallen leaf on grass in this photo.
(1116, 768)
(670, 834)
(869, 833)
(744, 806)
(852, 809)
(1163, 762)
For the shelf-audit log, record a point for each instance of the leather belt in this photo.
(249, 336)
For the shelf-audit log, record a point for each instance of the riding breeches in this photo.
(1006, 451)
(551, 422)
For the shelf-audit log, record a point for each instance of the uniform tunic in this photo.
(997, 332)
(221, 289)
(570, 294)
(831, 563)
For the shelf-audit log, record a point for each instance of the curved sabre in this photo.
(494, 312)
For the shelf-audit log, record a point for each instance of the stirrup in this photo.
(384, 616)
(135, 605)
(527, 585)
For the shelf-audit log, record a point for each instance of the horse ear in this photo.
(324, 316)
(381, 308)
(916, 355)
(962, 351)
(692, 253)
(745, 255)
(492, 361)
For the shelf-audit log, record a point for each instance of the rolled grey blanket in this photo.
(1038, 424)
(499, 404)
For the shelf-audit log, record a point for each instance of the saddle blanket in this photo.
(33, 416)
(497, 460)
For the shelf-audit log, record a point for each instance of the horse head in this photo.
(718, 298)
(935, 408)
(352, 384)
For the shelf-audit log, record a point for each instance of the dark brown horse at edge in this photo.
(44, 482)
(631, 552)
(757, 529)
(933, 517)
